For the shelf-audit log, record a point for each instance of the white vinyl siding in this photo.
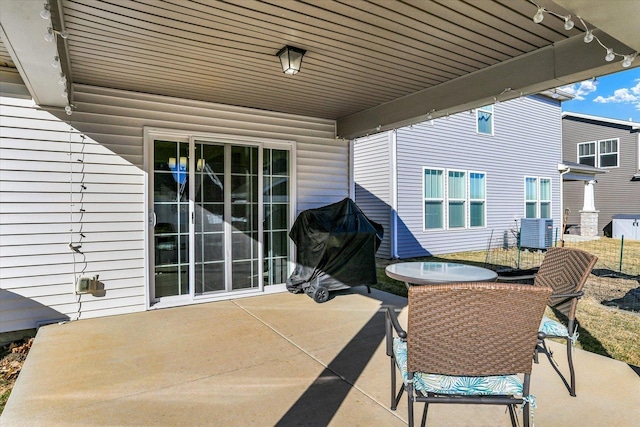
(42, 197)
(515, 151)
(372, 159)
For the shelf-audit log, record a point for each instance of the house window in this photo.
(477, 199)
(608, 155)
(601, 154)
(457, 192)
(537, 197)
(484, 120)
(433, 198)
(458, 202)
(587, 153)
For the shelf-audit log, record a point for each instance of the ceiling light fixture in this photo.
(51, 33)
(291, 59)
(430, 113)
(539, 16)
(568, 23)
(588, 37)
(628, 59)
(45, 13)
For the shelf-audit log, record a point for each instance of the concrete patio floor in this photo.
(277, 359)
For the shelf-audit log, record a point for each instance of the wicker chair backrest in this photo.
(474, 329)
(565, 270)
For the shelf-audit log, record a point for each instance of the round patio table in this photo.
(425, 273)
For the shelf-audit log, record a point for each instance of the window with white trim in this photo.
(537, 197)
(601, 154)
(484, 120)
(433, 198)
(477, 199)
(457, 202)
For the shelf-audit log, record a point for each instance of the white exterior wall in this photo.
(41, 195)
(373, 168)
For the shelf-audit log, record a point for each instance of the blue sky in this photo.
(615, 96)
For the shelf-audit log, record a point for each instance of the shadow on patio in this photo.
(277, 359)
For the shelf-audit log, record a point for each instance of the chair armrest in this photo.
(517, 279)
(391, 324)
(572, 295)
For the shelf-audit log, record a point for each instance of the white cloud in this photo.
(623, 96)
(579, 90)
(620, 96)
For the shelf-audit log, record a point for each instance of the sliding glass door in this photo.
(221, 217)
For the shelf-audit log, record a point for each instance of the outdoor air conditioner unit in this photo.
(536, 233)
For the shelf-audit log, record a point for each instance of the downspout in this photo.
(393, 193)
(562, 215)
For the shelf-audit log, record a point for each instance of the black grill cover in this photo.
(336, 246)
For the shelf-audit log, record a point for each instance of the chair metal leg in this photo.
(572, 388)
(393, 384)
(512, 415)
(410, 404)
(424, 414)
(554, 365)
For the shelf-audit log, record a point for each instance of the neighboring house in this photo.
(452, 184)
(127, 193)
(612, 146)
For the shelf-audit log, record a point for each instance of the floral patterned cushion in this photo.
(553, 328)
(445, 384)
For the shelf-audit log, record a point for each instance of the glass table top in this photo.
(421, 273)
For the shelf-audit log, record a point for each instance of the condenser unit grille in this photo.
(536, 233)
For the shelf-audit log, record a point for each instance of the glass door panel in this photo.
(276, 205)
(209, 218)
(171, 208)
(244, 217)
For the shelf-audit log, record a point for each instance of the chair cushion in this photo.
(553, 328)
(447, 384)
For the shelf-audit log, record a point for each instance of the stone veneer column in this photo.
(589, 214)
(589, 223)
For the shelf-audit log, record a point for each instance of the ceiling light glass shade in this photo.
(610, 56)
(45, 13)
(588, 38)
(628, 59)
(538, 17)
(291, 59)
(49, 36)
(56, 62)
(568, 23)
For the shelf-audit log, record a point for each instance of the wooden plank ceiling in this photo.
(359, 53)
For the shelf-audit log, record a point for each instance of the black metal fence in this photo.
(616, 277)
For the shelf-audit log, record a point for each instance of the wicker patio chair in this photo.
(565, 270)
(466, 343)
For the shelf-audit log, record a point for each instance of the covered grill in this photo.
(336, 246)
